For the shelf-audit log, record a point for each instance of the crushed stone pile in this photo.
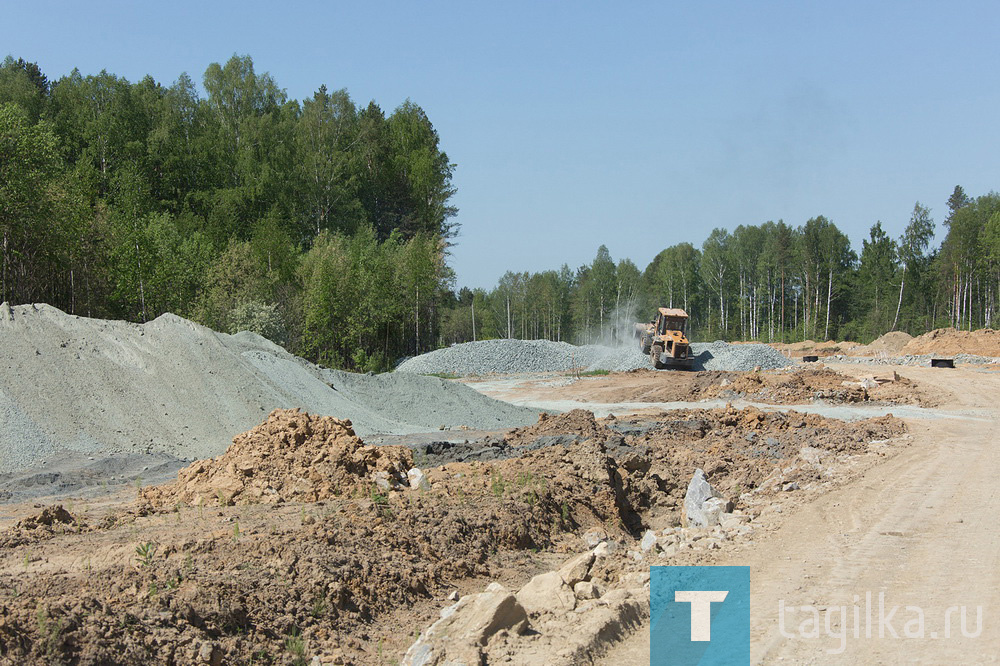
(516, 356)
(487, 357)
(290, 457)
(738, 358)
(101, 388)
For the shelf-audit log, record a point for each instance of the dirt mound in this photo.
(739, 449)
(290, 457)
(578, 422)
(890, 344)
(48, 517)
(812, 348)
(51, 521)
(949, 341)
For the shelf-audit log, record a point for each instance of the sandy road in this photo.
(921, 529)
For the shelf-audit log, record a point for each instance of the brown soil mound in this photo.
(51, 521)
(579, 422)
(48, 517)
(984, 342)
(811, 347)
(788, 388)
(292, 456)
(890, 344)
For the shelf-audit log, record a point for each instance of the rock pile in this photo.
(560, 617)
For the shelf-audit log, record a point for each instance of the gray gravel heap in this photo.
(911, 359)
(721, 355)
(97, 387)
(526, 356)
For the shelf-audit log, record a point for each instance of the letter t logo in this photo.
(701, 610)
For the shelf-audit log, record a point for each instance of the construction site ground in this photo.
(839, 490)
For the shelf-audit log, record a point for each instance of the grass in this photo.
(381, 502)
(497, 484)
(594, 373)
(295, 645)
(49, 630)
(442, 375)
(319, 607)
(144, 553)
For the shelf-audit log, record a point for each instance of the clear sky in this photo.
(634, 125)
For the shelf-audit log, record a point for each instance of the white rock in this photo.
(383, 480)
(418, 480)
(648, 541)
(577, 569)
(469, 623)
(586, 589)
(698, 493)
(712, 510)
(605, 548)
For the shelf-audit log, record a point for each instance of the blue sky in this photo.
(635, 126)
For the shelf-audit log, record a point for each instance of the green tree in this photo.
(715, 270)
(23, 83)
(325, 135)
(876, 272)
(39, 214)
(911, 251)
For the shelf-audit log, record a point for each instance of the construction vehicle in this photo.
(664, 340)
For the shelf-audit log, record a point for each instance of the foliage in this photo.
(325, 226)
(237, 209)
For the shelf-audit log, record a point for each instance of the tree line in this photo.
(325, 226)
(770, 282)
(321, 224)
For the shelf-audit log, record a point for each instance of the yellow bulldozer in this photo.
(664, 340)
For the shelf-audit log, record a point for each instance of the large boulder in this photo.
(698, 510)
(466, 627)
(547, 593)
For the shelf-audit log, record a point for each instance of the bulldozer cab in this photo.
(670, 319)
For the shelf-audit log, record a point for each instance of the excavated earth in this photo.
(801, 384)
(780, 387)
(302, 544)
(285, 513)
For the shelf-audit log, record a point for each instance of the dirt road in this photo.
(918, 530)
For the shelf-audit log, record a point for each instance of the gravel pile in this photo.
(526, 356)
(912, 359)
(98, 388)
(721, 355)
